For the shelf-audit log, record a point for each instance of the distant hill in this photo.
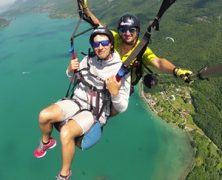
(55, 8)
(3, 22)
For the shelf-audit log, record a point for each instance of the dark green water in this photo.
(136, 145)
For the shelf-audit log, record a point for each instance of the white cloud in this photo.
(6, 3)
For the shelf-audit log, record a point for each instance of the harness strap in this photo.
(78, 77)
(139, 70)
(73, 82)
(97, 105)
(58, 125)
(90, 86)
(97, 111)
(105, 103)
(145, 39)
(91, 100)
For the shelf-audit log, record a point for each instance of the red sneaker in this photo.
(41, 150)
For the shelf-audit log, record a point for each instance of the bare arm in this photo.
(168, 67)
(89, 13)
(163, 65)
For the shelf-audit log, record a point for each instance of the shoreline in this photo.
(197, 138)
(4, 23)
(149, 104)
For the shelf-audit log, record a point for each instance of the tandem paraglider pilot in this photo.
(96, 93)
(126, 40)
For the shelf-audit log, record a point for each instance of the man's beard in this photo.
(130, 43)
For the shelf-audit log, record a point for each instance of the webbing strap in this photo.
(97, 105)
(83, 32)
(164, 6)
(72, 84)
(90, 86)
(73, 56)
(106, 99)
(146, 37)
(143, 43)
(75, 29)
(139, 67)
(91, 95)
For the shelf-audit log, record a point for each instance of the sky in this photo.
(4, 4)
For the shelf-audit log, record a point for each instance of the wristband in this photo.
(175, 71)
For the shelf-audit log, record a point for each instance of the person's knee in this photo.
(69, 132)
(43, 116)
(50, 114)
(66, 135)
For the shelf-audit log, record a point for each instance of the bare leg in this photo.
(48, 116)
(68, 133)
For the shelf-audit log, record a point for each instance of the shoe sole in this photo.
(52, 146)
(41, 155)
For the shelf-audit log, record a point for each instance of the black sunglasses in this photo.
(125, 29)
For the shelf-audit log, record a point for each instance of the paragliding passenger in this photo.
(96, 92)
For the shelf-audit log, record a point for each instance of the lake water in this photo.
(136, 145)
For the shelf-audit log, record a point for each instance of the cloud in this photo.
(6, 3)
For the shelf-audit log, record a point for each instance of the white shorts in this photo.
(83, 118)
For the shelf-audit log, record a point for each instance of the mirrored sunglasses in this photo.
(96, 44)
(130, 29)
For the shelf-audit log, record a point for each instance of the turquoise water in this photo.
(136, 145)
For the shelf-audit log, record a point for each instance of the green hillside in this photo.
(3, 22)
